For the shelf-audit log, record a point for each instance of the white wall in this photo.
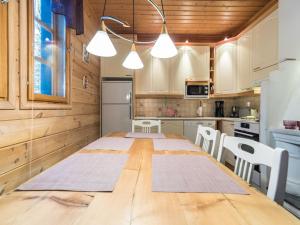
(280, 99)
(284, 94)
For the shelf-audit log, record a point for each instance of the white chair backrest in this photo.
(208, 139)
(249, 153)
(146, 125)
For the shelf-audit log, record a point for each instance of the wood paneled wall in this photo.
(33, 140)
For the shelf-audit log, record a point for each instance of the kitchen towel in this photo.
(174, 145)
(110, 143)
(80, 172)
(189, 173)
(145, 135)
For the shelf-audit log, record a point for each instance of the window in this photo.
(3, 51)
(48, 55)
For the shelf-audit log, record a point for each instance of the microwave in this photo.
(196, 89)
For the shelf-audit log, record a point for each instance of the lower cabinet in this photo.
(227, 127)
(172, 126)
(191, 126)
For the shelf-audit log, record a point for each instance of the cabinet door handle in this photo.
(257, 68)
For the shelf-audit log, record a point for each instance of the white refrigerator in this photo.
(116, 105)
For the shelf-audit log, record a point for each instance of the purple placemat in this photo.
(80, 172)
(187, 173)
(174, 145)
(145, 135)
(111, 143)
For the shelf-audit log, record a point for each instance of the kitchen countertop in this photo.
(196, 118)
(285, 131)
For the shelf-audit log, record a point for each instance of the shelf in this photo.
(159, 96)
(237, 94)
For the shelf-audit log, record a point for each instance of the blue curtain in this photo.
(73, 11)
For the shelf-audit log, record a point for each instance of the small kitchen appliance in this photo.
(219, 108)
(234, 112)
(196, 89)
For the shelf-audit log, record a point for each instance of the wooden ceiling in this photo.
(193, 20)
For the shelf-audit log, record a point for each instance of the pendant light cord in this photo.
(133, 21)
(104, 6)
(163, 10)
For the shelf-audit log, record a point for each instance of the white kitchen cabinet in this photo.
(160, 76)
(143, 77)
(172, 127)
(226, 68)
(112, 66)
(190, 127)
(167, 76)
(177, 74)
(192, 62)
(265, 47)
(244, 62)
(289, 32)
(227, 127)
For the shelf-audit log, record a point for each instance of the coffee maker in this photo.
(219, 108)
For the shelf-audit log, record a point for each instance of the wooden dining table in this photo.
(133, 203)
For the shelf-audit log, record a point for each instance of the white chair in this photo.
(208, 139)
(146, 125)
(249, 153)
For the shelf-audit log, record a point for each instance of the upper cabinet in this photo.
(289, 32)
(226, 76)
(196, 62)
(265, 47)
(192, 63)
(167, 76)
(244, 62)
(143, 77)
(112, 66)
(160, 76)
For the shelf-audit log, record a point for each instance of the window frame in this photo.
(4, 52)
(42, 97)
(8, 99)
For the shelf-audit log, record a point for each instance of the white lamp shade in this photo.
(164, 47)
(133, 60)
(101, 45)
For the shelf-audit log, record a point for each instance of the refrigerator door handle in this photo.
(130, 105)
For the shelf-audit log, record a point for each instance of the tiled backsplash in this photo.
(188, 108)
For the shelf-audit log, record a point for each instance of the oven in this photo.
(196, 89)
(249, 130)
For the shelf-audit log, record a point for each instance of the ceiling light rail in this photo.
(102, 46)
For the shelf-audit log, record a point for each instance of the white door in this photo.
(244, 62)
(226, 68)
(116, 117)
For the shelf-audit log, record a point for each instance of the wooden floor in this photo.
(132, 202)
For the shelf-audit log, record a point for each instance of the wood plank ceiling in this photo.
(193, 20)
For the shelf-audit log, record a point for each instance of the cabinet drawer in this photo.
(172, 127)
